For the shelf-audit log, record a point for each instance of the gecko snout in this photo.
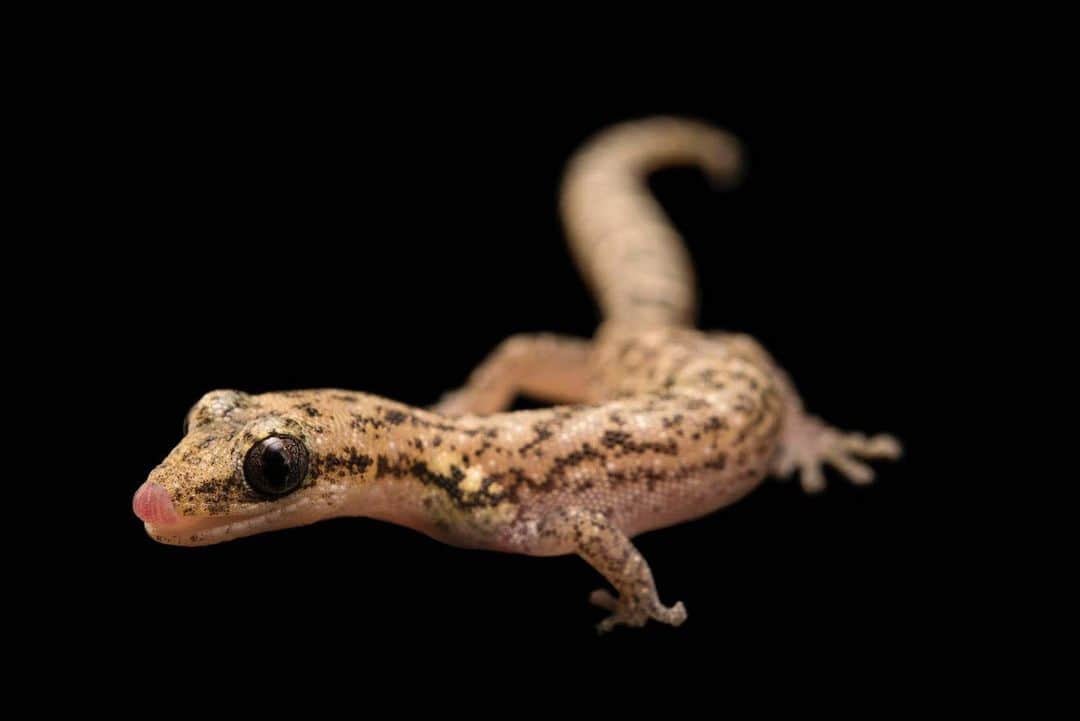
(152, 504)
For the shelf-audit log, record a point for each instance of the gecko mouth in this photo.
(204, 531)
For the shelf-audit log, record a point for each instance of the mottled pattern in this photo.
(657, 423)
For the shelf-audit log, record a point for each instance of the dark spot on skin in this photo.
(625, 444)
(673, 421)
(395, 418)
(218, 495)
(360, 422)
(708, 377)
(208, 487)
(383, 467)
(541, 433)
(652, 477)
(718, 463)
(348, 462)
(556, 476)
(715, 423)
(308, 408)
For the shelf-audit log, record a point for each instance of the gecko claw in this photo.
(811, 443)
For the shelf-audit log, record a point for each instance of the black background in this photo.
(384, 236)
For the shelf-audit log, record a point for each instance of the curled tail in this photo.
(624, 244)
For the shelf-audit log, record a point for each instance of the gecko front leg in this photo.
(607, 549)
(544, 366)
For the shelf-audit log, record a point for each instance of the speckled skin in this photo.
(658, 423)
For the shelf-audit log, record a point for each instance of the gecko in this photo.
(650, 423)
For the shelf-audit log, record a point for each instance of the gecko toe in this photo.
(811, 477)
(675, 615)
(885, 446)
(855, 471)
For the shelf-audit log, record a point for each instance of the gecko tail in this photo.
(624, 244)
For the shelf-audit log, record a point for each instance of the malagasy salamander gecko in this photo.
(655, 424)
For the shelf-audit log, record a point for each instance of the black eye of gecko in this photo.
(276, 465)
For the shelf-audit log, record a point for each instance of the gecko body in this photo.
(655, 423)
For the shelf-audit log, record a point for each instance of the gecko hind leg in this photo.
(607, 549)
(808, 443)
(544, 366)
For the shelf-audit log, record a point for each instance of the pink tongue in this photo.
(153, 505)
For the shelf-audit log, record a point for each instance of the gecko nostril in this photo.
(152, 504)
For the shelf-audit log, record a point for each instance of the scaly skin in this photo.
(659, 423)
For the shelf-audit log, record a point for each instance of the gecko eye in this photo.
(276, 465)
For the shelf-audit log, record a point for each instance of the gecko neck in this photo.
(415, 468)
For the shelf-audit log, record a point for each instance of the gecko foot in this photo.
(810, 443)
(631, 612)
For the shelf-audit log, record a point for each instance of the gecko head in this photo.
(245, 465)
